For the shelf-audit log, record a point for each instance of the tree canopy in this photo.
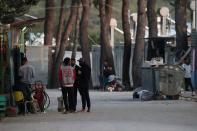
(9, 9)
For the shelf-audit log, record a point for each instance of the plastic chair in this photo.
(3, 101)
(19, 98)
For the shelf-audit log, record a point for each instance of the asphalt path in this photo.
(111, 111)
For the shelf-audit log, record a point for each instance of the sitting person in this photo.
(24, 88)
(110, 77)
(20, 86)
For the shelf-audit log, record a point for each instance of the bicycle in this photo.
(38, 92)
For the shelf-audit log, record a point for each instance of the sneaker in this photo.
(88, 110)
(65, 112)
(82, 110)
(72, 111)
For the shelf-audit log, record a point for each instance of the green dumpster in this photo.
(170, 80)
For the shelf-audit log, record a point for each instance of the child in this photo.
(187, 68)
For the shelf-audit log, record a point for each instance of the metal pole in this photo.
(194, 49)
(195, 56)
(194, 20)
(164, 25)
(195, 14)
(113, 24)
(112, 36)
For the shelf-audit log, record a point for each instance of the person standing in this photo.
(84, 81)
(26, 75)
(66, 78)
(26, 72)
(76, 82)
(187, 68)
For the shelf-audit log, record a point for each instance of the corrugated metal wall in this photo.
(118, 52)
(38, 57)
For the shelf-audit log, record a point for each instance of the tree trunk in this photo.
(139, 46)
(106, 50)
(65, 35)
(49, 28)
(152, 24)
(84, 31)
(60, 27)
(76, 36)
(53, 79)
(127, 43)
(152, 18)
(108, 11)
(181, 27)
(49, 24)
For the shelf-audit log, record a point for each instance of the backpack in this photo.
(145, 95)
(68, 77)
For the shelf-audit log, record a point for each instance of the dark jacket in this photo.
(77, 69)
(84, 76)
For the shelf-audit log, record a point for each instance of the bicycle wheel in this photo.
(46, 101)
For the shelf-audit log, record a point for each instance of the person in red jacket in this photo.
(67, 78)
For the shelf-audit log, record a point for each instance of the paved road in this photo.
(111, 112)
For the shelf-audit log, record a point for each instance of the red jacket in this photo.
(60, 74)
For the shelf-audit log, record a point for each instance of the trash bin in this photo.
(148, 78)
(170, 80)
